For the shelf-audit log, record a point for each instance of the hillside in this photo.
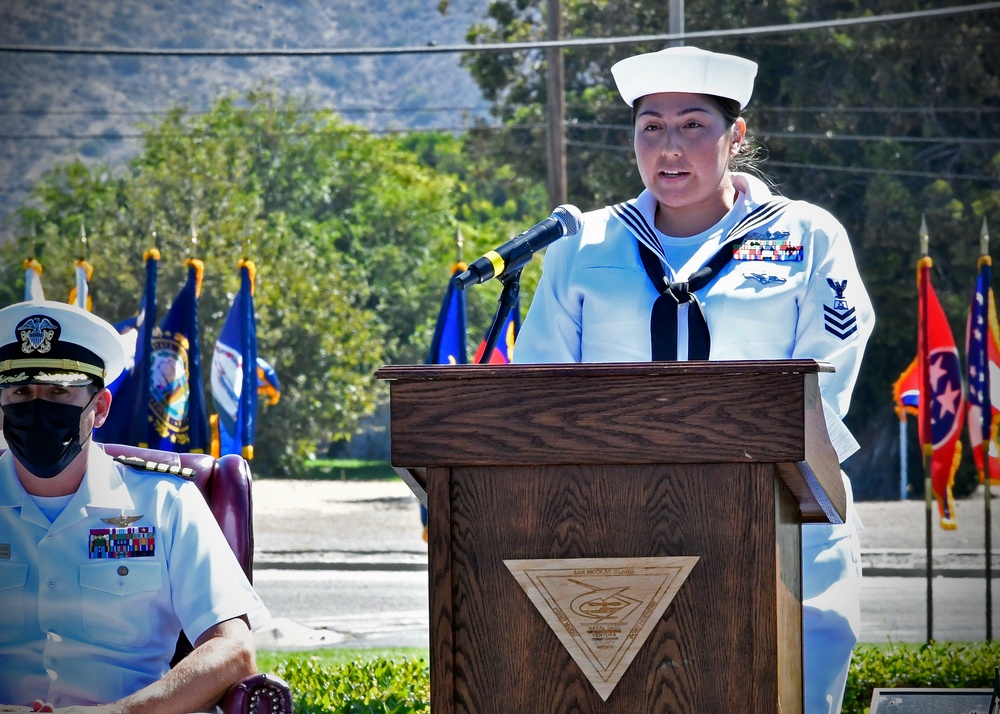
(58, 107)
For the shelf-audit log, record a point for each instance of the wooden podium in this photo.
(594, 470)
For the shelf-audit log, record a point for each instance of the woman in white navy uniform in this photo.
(790, 289)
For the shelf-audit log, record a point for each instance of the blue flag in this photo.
(267, 383)
(178, 420)
(448, 344)
(234, 372)
(127, 421)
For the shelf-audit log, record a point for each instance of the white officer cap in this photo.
(685, 69)
(47, 342)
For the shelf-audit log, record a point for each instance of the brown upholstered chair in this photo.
(226, 485)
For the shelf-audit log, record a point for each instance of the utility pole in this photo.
(675, 21)
(556, 109)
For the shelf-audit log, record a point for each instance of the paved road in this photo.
(342, 564)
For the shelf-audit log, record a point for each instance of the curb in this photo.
(333, 565)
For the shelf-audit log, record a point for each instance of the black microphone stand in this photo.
(505, 303)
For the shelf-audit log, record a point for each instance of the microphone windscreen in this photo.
(570, 218)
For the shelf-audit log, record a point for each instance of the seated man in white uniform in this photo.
(101, 565)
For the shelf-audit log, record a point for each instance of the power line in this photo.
(822, 167)
(505, 46)
(893, 172)
(763, 134)
(360, 109)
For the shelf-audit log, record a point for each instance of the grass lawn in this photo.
(346, 470)
(267, 660)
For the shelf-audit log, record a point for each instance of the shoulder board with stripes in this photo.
(157, 467)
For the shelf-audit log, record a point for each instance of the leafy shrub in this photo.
(941, 664)
(376, 686)
(384, 686)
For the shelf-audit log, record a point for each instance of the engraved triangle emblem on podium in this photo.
(602, 609)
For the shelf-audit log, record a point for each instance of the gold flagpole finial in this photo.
(924, 236)
(984, 239)
(83, 241)
(459, 242)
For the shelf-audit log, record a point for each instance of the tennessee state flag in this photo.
(982, 353)
(234, 373)
(504, 352)
(942, 414)
(177, 417)
(127, 421)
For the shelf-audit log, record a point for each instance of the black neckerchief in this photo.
(663, 320)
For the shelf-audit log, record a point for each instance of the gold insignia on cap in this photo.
(121, 521)
(36, 334)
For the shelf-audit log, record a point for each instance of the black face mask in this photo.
(44, 435)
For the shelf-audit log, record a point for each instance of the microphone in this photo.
(515, 253)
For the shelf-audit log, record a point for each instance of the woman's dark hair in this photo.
(746, 158)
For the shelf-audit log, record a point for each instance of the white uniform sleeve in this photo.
(551, 331)
(835, 317)
(207, 584)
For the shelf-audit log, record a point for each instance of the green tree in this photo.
(348, 232)
(878, 123)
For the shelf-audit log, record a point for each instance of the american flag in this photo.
(983, 364)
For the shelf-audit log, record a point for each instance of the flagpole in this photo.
(903, 465)
(83, 241)
(984, 252)
(925, 414)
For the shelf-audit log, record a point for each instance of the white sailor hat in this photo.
(685, 69)
(46, 342)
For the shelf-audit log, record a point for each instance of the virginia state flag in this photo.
(178, 420)
(982, 354)
(33, 280)
(128, 422)
(943, 413)
(234, 378)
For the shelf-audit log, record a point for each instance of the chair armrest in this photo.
(258, 694)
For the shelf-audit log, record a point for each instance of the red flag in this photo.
(982, 356)
(504, 351)
(943, 414)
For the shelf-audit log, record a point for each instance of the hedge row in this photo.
(403, 686)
